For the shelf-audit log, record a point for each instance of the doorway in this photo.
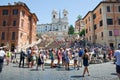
(111, 45)
(12, 47)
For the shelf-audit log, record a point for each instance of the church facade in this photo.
(58, 26)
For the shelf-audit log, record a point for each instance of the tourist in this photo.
(63, 57)
(8, 56)
(29, 57)
(67, 59)
(34, 54)
(117, 57)
(2, 56)
(59, 52)
(86, 62)
(80, 61)
(22, 58)
(52, 53)
(75, 57)
(40, 60)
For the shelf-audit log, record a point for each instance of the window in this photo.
(95, 36)
(89, 18)
(29, 18)
(65, 27)
(90, 37)
(21, 35)
(23, 13)
(13, 35)
(14, 23)
(101, 23)
(22, 23)
(95, 27)
(4, 23)
(101, 34)
(94, 16)
(65, 15)
(118, 8)
(89, 29)
(110, 33)
(45, 28)
(15, 11)
(100, 11)
(110, 21)
(86, 21)
(119, 21)
(3, 36)
(5, 12)
(53, 16)
(108, 8)
(116, 32)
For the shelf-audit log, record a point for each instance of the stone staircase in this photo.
(44, 43)
(53, 44)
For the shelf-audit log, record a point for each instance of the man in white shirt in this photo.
(2, 55)
(117, 56)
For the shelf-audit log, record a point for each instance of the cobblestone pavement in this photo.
(104, 71)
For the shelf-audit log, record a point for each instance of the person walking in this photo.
(59, 52)
(8, 56)
(52, 53)
(29, 57)
(117, 57)
(86, 62)
(80, 61)
(2, 56)
(22, 57)
(75, 58)
(40, 60)
(67, 59)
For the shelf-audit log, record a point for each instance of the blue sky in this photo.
(43, 8)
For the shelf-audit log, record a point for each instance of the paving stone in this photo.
(104, 71)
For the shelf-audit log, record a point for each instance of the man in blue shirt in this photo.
(80, 62)
(117, 56)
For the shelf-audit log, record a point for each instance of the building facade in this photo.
(17, 25)
(103, 24)
(58, 26)
(79, 25)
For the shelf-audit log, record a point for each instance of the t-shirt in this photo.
(29, 53)
(81, 53)
(8, 54)
(2, 53)
(117, 55)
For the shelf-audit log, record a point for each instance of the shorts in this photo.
(29, 59)
(118, 69)
(34, 58)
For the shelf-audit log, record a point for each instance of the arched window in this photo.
(53, 16)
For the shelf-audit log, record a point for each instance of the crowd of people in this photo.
(8, 56)
(36, 57)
